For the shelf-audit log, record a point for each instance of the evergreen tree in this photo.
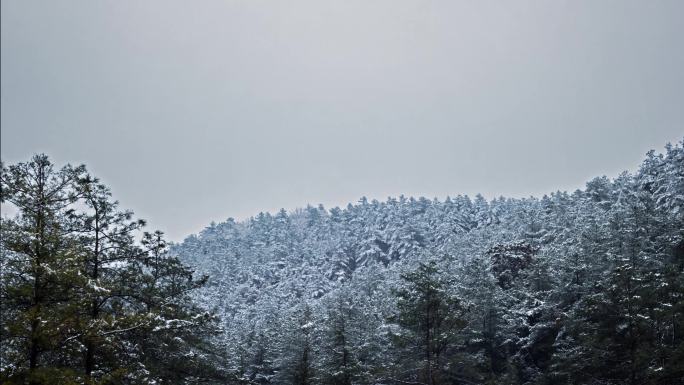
(105, 246)
(298, 351)
(39, 270)
(429, 319)
(82, 301)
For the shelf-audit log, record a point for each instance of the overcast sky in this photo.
(194, 111)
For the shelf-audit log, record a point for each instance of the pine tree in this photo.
(429, 319)
(178, 345)
(82, 301)
(38, 273)
(297, 365)
(105, 239)
(340, 364)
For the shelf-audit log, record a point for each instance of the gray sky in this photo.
(195, 111)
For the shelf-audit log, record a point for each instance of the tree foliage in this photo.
(84, 302)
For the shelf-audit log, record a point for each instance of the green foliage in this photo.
(82, 301)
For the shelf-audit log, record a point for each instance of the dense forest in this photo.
(583, 287)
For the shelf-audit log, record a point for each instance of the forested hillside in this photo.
(583, 287)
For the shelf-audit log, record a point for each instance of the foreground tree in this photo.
(82, 301)
(39, 271)
(107, 250)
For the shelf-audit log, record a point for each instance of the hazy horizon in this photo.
(193, 114)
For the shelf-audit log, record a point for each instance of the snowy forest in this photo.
(581, 287)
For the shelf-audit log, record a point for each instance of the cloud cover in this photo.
(197, 111)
